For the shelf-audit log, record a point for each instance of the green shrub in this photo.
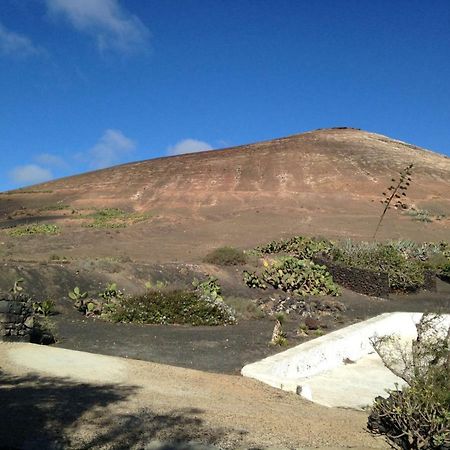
(444, 273)
(226, 256)
(44, 331)
(418, 416)
(297, 276)
(44, 308)
(245, 308)
(208, 288)
(113, 218)
(33, 229)
(421, 215)
(405, 274)
(300, 246)
(252, 280)
(171, 307)
(55, 207)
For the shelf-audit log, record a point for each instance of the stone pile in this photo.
(16, 317)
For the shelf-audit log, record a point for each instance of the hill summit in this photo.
(327, 182)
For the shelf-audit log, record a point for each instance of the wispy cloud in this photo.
(188, 146)
(30, 174)
(49, 159)
(111, 149)
(17, 45)
(105, 20)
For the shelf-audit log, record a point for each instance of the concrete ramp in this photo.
(340, 369)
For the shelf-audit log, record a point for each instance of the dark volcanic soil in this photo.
(220, 349)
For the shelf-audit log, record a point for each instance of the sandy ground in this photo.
(58, 398)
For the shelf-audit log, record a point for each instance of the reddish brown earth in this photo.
(325, 182)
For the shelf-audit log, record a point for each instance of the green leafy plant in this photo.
(158, 285)
(45, 307)
(297, 276)
(55, 207)
(17, 287)
(226, 256)
(76, 294)
(278, 336)
(113, 218)
(171, 307)
(44, 331)
(417, 416)
(83, 303)
(209, 288)
(405, 273)
(251, 279)
(33, 229)
(395, 194)
(421, 215)
(300, 246)
(111, 292)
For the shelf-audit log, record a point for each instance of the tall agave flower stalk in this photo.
(395, 194)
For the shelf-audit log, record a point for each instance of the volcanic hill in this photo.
(325, 182)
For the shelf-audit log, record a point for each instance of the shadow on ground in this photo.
(43, 413)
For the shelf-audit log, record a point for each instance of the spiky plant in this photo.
(396, 193)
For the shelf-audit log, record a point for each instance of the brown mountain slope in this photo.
(326, 182)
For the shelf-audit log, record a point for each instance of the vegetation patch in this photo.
(300, 246)
(171, 307)
(245, 308)
(55, 207)
(423, 215)
(297, 276)
(33, 229)
(418, 416)
(113, 218)
(404, 274)
(407, 265)
(201, 306)
(226, 256)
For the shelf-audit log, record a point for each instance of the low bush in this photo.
(418, 416)
(33, 229)
(44, 308)
(44, 331)
(171, 307)
(226, 256)
(245, 308)
(297, 276)
(300, 246)
(113, 218)
(405, 274)
(421, 215)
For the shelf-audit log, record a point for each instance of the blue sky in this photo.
(91, 83)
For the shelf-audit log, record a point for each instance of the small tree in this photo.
(395, 193)
(418, 416)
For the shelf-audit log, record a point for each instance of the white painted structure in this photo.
(340, 368)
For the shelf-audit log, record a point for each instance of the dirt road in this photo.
(58, 398)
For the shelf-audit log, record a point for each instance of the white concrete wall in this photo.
(288, 370)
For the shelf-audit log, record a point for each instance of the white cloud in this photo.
(105, 20)
(30, 174)
(111, 148)
(188, 146)
(49, 159)
(17, 45)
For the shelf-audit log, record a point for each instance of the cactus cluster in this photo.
(300, 277)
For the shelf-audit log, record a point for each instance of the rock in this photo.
(312, 323)
(29, 322)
